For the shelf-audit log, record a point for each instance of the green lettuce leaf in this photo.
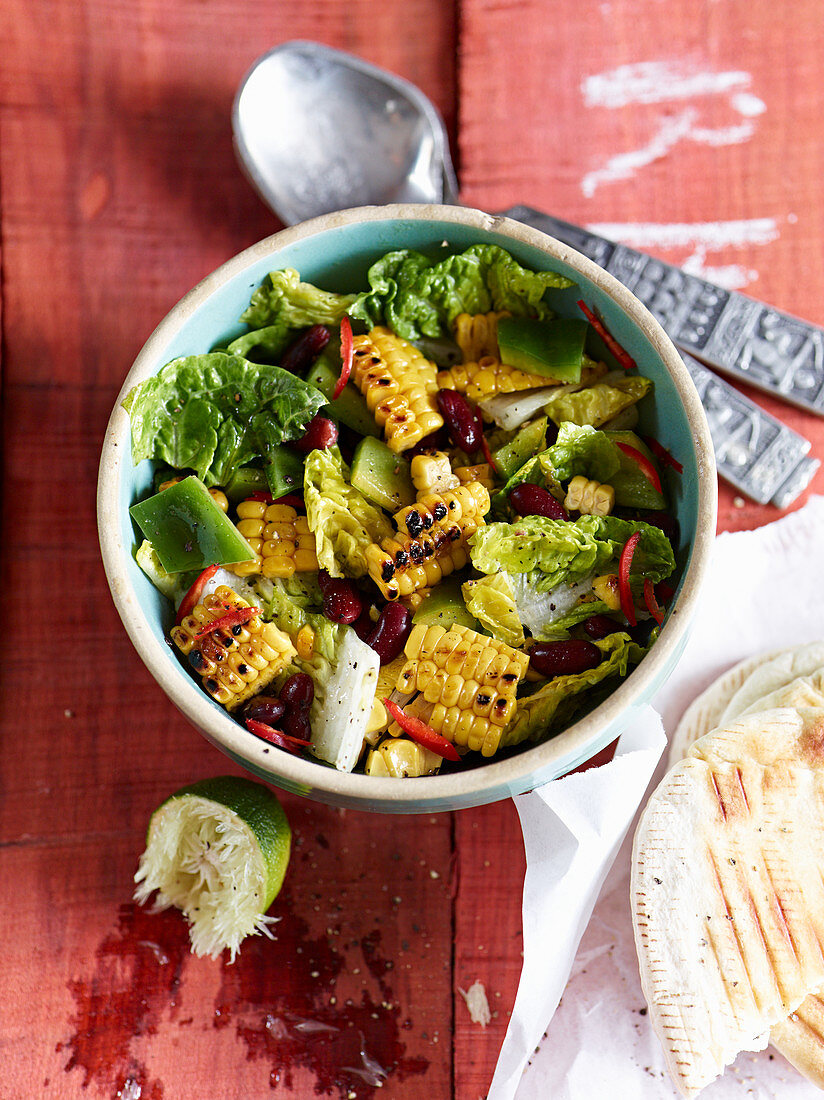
(579, 450)
(563, 551)
(552, 706)
(653, 557)
(492, 601)
(283, 300)
(213, 413)
(420, 297)
(342, 519)
(598, 403)
(267, 343)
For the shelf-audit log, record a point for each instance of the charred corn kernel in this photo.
(483, 474)
(399, 385)
(441, 510)
(305, 642)
(589, 497)
(235, 663)
(404, 565)
(400, 758)
(432, 473)
(476, 334)
(217, 495)
(606, 589)
(487, 377)
(280, 538)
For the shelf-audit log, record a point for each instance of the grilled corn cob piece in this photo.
(487, 377)
(235, 663)
(400, 758)
(476, 334)
(405, 563)
(279, 536)
(399, 385)
(217, 495)
(483, 473)
(589, 497)
(433, 473)
(467, 683)
(443, 509)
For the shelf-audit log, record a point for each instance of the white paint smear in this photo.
(714, 235)
(700, 238)
(658, 82)
(665, 81)
(624, 165)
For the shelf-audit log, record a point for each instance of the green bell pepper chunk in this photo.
(188, 530)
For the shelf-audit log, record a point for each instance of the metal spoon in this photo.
(318, 130)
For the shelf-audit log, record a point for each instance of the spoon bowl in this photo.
(318, 130)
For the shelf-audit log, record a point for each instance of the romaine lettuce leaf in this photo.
(266, 343)
(342, 519)
(283, 300)
(580, 450)
(597, 404)
(492, 601)
(213, 413)
(563, 551)
(420, 297)
(541, 611)
(552, 706)
(653, 557)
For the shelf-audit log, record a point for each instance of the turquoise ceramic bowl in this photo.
(335, 252)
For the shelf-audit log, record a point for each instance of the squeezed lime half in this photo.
(218, 851)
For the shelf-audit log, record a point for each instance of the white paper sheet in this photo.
(764, 591)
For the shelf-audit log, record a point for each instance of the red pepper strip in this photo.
(624, 590)
(225, 622)
(646, 467)
(277, 737)
(192, 597)
(662, 454)
(487, 452)
(623, 357)
(421, 733)
(651, 602)
(347, 352)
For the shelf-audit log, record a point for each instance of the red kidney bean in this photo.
(265, 708)
(563, 658)
(390, 632)
(297, 693)
(532, 500)
(342, 602)
(667, 523)
(305, 349)
(321, 432)
(598, 626)
(463, 421)
(296, 723)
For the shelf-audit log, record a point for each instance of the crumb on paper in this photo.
(738, 502)
(477, 1003)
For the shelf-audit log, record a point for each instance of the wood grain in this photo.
(118, 191)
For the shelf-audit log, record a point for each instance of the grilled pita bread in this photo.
(800, 1038)
(728, 893)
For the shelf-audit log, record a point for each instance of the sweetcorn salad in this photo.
(412, 528)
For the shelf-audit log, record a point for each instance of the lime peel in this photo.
(218, 851)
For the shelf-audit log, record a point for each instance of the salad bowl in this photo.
(335, 252)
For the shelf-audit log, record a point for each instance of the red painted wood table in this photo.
(692, 129)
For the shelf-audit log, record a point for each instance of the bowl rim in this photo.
(474, 786)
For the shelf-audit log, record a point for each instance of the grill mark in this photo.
(743, 791)
(736, 936)
(718, 796)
